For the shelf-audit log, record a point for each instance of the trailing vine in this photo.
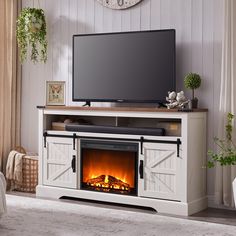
(31, 33)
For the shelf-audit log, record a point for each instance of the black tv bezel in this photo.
(121, 100)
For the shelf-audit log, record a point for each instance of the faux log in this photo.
(108, 182)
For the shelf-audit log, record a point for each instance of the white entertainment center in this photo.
(169, 172)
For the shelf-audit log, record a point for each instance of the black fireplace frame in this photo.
(111, 145)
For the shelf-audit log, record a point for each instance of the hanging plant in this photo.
(31, 33)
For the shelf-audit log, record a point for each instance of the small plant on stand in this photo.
(227, 150)
(193, 81)
(31, 32)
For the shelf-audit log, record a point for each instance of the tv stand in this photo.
(171, 177)
(87, 104)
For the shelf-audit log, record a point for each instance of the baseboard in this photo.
(197, 205)
(160, 205)
(212, 204)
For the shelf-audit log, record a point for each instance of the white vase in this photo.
(234, 190)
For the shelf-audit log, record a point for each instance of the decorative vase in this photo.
(194, 103)
(234, 190)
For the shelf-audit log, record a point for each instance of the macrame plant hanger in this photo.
(38, 4)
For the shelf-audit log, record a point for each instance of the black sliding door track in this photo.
(141, 140)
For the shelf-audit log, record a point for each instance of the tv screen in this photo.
(124, 67)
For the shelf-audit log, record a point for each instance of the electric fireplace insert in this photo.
(109, 166)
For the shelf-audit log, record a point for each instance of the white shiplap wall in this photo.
(198, 25)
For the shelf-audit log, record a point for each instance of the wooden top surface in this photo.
(117, 109)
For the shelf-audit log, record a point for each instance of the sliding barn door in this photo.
(58, 160)
(162, 171)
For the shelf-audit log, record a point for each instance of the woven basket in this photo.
(29, 173)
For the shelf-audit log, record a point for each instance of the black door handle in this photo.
(178, 144)
(141, 169)
(73, 162)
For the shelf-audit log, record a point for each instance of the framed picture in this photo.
(55, 92)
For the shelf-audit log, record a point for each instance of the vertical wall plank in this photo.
(185, 47)
(81, 14)
(135, 18)
(73, 11)
(98, 18)
(207, 55)
(49, 6)
(126, 20)
(165, 14)
(65, 44)
(197, 36)
(89, 16)
(107, 20)
(116, 21)
(155, 17)
(175, 23)
(55, 43)
(145, 15)
(217, 48)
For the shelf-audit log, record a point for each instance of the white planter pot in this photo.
(234, 190)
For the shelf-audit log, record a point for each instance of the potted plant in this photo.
(193, 81)
(227, 150)
(31, 32)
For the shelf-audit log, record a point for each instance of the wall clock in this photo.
(119, 4)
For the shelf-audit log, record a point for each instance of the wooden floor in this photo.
(220, 216)
(213, 215)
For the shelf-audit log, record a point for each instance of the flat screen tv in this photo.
(124, 67)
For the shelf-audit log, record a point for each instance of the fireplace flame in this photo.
(106, 179)
(108, 182)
